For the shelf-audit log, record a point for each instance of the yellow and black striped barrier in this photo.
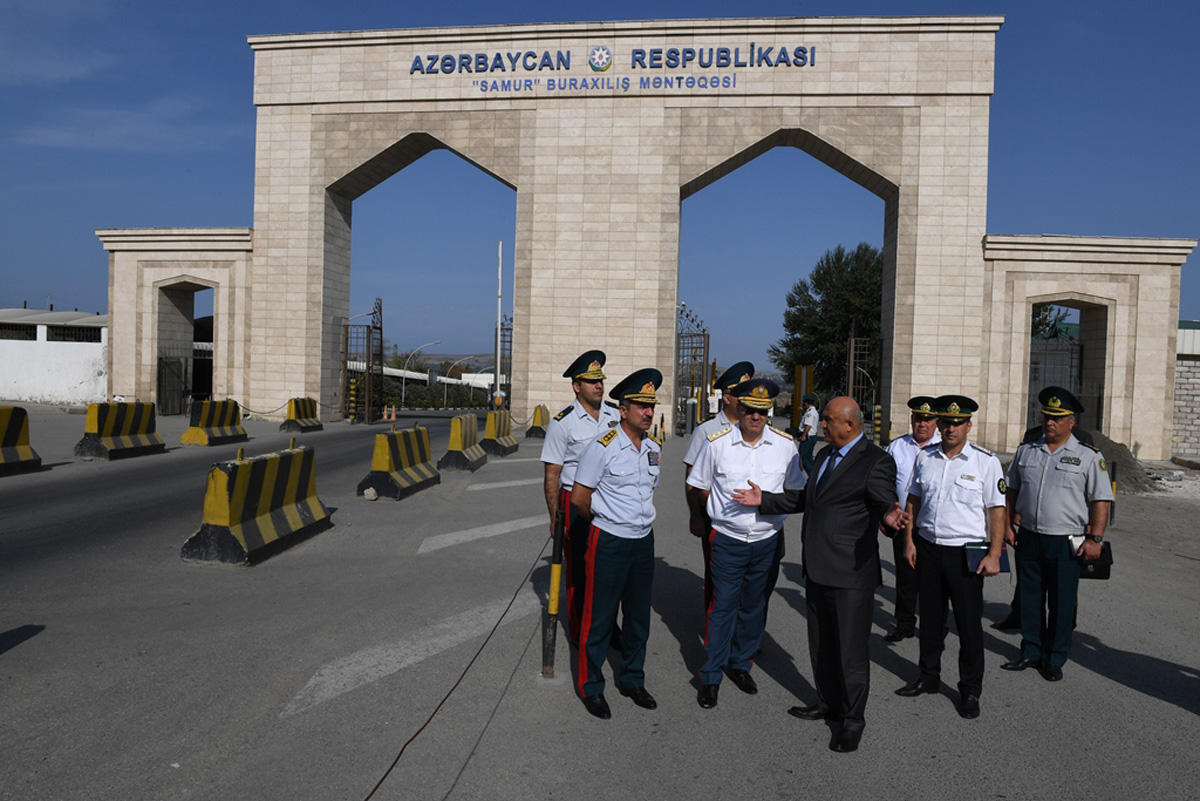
(464, 452)
(215, 423)
(119, 430)
(302, 416)
(541, 419)
(16, 454)
(256, 507)
(497, 434)
(401, 464)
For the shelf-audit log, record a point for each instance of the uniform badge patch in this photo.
(1002, 485)
(652, 458)
(968, 478)
(1069, 460)
(1101, 465)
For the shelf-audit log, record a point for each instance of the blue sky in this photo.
(139, 114)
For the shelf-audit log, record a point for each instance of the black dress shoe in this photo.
(1010, 623)
(1021, 663)
(1051, 672)
(596, 705)
(899, 634)
(743, 680)
(813, 712)
(918, 687)
(969, 707)
(845, 741)
(706, 696)
(640, 696)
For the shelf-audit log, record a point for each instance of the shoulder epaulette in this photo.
(981, 450)
(564, 412)
(1089, 446)
(607, 438)
(783, 434)
(610, 403)
(931, 447)
(657, 440)
(719, 433)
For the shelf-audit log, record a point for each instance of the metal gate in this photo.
(363, 360)
(692, 378)
(1059, 361)
(172, 384)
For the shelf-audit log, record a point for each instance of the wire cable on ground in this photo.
(462, 676)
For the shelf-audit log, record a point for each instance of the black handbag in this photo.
(1098, 568)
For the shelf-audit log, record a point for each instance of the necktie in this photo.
(829, 468)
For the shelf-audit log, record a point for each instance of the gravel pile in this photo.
(1132, 478)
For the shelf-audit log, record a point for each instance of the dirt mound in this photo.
(1131, 475)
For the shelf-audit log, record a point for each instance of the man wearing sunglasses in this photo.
(744, 543)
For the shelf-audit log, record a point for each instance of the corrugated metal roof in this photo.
(44, 317)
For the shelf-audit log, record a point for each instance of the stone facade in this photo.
(1185, 437)
(603, 129)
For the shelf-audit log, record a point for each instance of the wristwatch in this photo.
(1095, 539)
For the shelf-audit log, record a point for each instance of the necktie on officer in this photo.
(830, 466)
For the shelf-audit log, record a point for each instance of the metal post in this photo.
(690, 423)
(550, 619)
(499, 321)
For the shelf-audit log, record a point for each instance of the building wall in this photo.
(1185, 439)
(54, 372)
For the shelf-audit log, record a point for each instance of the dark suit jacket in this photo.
(841, 521)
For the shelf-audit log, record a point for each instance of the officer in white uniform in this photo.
(810, 426)
(571, 429)
(743, 542)
(955, 500)
(1058, 489)
(698, 522)
(614, 492)
(904, 450)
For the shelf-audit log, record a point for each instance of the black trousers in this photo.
(943, 579)
(839, 625)
(906, 586)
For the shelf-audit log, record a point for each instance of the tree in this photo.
(1046, 317)
(840, 298)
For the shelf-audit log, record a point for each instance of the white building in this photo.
(53, 356)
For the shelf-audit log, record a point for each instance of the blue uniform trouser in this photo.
(617, 572)
(1046, 563)
(741, 573)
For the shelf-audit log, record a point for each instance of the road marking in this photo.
(498, 484)
(439, 541)
(380, 661)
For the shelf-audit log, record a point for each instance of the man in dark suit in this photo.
(851, 490)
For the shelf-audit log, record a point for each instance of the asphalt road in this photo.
(128, 673)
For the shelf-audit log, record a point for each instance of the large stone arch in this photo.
(601, 155)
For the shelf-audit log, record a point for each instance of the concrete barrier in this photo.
(464, 452)
(541, 419)
(119, 430)
(302, 416)
(256, 507)
(16, 454)
(497, 435)
(401, 464)
(215, 423)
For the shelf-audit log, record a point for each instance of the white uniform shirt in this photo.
(904, 451)
(623, 479)
(568, 433)
(700, 436)
(728, 463)
(956, 493)
(810, 421)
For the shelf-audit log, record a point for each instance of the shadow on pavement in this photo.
(1167, 681)
(14, 637)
